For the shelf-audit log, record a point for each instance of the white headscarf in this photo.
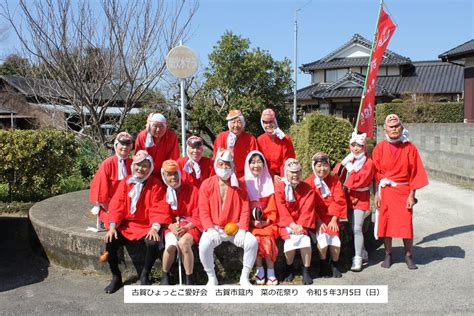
(171, 196)
(232, 138)
(226, 155)
(122, 167)
(260, 186)
(318, 181)
(270, 115)
(192, 165)
(402, 139)
(135, 192)
(153, 117)
(290, 163)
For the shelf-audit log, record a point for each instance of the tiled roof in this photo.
(331, 62)
(433, 77)
(48, 88)
(459, 52)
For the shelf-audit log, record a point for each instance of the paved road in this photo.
(444, 282)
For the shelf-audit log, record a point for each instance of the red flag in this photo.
(385, 29)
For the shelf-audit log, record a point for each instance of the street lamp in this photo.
(295, 89)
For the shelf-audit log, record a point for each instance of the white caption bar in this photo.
(256, 294)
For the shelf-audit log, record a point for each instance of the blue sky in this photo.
(426, 28)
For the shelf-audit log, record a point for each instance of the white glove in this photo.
(95, 210)
(349, 167)
(214, 235)
(347, 159)
(240, 238)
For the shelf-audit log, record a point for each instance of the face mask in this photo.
(224, 174)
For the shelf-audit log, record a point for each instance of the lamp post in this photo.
(295, 89)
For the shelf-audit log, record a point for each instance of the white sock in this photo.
(270, 273)
(260, 272)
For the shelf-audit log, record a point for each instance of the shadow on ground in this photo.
(22, 260)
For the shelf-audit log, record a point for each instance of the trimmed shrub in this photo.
(33, 161)
(452, 112)
(318, 132)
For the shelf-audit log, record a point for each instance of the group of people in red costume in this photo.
(172, 203)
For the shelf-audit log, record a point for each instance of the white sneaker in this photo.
(244, 281)
(365, 256)
(212, 279)
(356, 264)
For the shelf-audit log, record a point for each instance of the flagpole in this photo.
(368, 68)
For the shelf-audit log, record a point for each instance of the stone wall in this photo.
(447, 150)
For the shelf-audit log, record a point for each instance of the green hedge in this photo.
(452, 112)
(33, 162)
(318, 132)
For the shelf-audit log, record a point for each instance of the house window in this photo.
(324, 108)
(333, 75)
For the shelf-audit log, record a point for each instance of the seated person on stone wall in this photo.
(195, 168)
(330, 206)
(263, 215)
(296, 216)
(158, 140)
(134, 215)
(182, 215)
(237, 140)
(223, 200)
(107, 178)
(356, 172)
(274, 144)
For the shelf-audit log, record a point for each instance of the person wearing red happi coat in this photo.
(263, 218)
(330, 206)
(223, 200)
(195, 168)
(107, 178)
(399, 173)
(159, 141)
(356, 172)
(184, 227)
(275, 145)
(134, 215)
(296, 216)
(239, 142)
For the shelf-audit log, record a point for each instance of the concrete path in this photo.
(443, 284)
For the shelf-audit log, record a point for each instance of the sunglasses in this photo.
(125, 142)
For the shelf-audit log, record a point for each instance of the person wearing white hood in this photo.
(134, 215)
(356, 172)
(223, 200)
(195, 168)
(296, 217)
(184, 227)
(158, 140)
(399, 172)
(236, 140)
(275, 145)
(107, 178)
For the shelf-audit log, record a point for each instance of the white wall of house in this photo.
(469, 62)
(354, 51)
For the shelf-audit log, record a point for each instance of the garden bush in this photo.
(318, 132)
(409, 112)
(32, 162)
